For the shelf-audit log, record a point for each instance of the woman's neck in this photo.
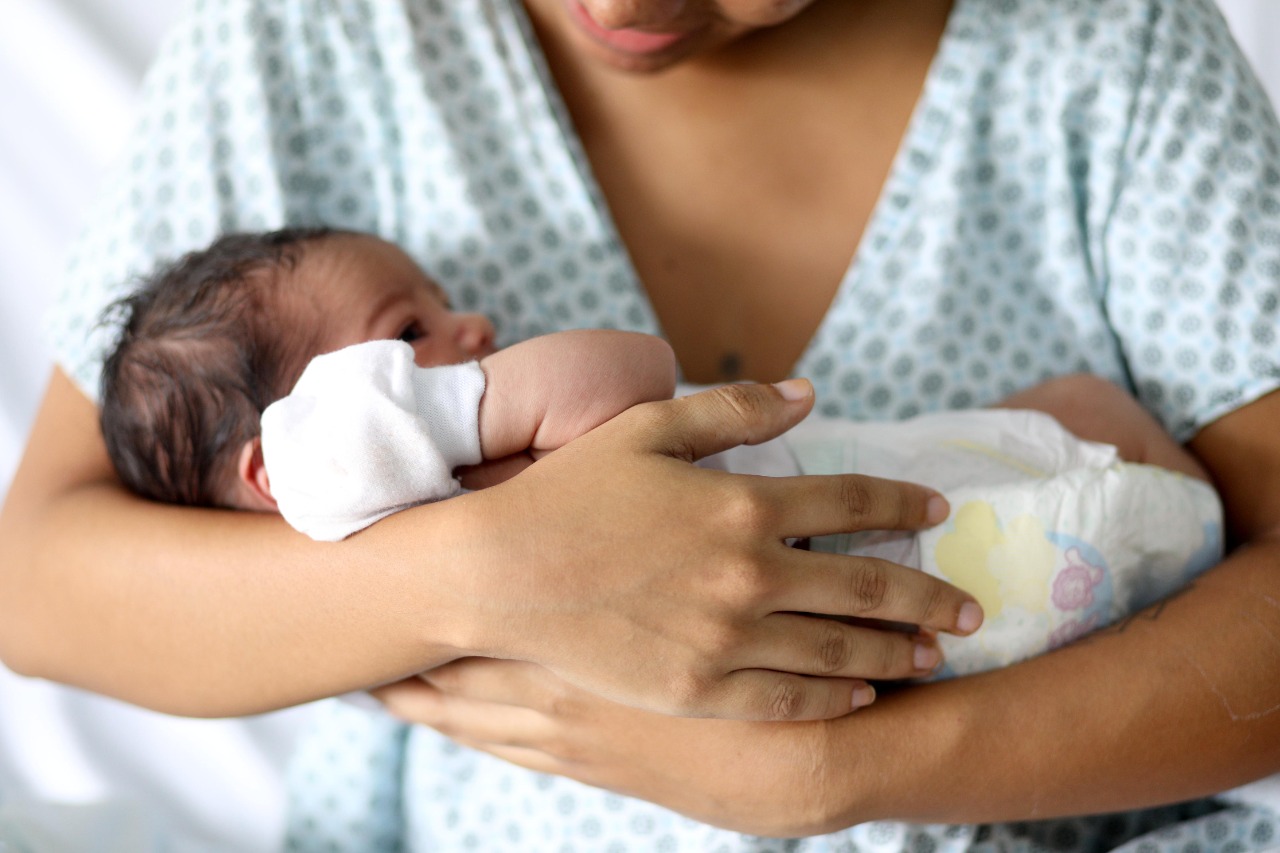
(741, 180)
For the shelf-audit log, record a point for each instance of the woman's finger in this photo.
(410, 699)
(717, 419)
(495, 680)
(460, 716)
(766, 695)
(497, 725)
(817, 505)
(871, 588)
(813, 645)
(530, 759)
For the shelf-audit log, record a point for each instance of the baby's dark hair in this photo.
(201, 353)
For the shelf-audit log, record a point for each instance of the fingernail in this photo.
(863, 696)
(970, 618)
(794, 390)
(937, 510)
(926, 658)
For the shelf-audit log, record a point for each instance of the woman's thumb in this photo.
(715, 420)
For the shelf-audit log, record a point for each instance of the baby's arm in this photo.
(366, 432)
(1097, 410)
(547, 391)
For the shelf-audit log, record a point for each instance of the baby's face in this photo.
(366, 289)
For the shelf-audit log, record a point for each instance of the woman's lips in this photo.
(636, 42)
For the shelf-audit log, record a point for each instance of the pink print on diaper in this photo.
(1073, 587)
(1071, 630)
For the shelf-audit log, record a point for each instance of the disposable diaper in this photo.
(1053, 535)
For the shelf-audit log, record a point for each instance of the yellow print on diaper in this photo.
(1009, 566)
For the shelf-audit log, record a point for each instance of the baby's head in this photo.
(208, 342)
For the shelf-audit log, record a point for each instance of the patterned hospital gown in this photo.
(1084, 186)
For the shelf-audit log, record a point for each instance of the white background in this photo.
(69, 70)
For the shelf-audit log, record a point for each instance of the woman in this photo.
(1025, 188)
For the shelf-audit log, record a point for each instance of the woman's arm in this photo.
(1181, 700)
(674, 602)
(1094, 409)
(176, 609)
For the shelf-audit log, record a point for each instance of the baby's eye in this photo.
(412, 332)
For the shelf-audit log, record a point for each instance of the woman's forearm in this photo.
(195, 611)
(1178, 701)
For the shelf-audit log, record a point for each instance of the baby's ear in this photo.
(253, 487)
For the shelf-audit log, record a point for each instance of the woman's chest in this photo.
(741, 197)
(740, 252)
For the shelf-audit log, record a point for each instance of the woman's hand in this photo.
(761, 778)
(671, 588)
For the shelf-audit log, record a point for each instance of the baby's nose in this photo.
(474, 335)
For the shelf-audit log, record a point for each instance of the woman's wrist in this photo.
(877, 762)
(436, 564)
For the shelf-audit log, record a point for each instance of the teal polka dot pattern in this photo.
(1086, 185)
(345, 779)
(1069, 198)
